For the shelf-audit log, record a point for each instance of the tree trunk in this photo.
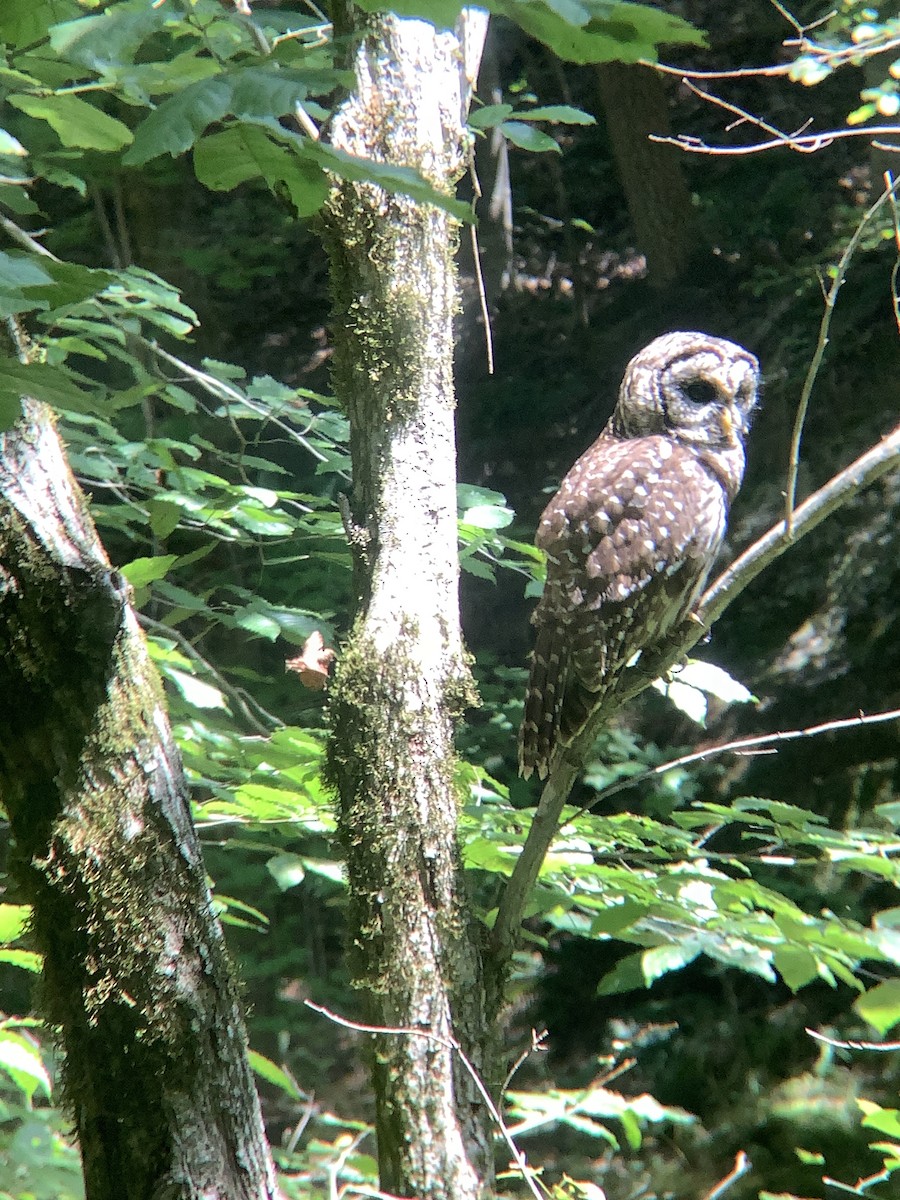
(136, 979)
(402, 679)
(659, 202)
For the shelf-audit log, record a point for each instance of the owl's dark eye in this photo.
(700, 391)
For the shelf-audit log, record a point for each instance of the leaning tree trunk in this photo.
(402, 679)
(136, 981)
(656, 191)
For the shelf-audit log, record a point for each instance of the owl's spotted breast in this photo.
(633, 531)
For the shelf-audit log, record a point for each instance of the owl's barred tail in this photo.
(539, 733)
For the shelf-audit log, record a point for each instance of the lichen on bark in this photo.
(136, 981)
(403, 677)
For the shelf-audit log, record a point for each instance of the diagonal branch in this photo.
(837, 492)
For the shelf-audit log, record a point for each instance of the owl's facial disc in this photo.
(697, 389)
(707, 398)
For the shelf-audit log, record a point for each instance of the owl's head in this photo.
(697, 389)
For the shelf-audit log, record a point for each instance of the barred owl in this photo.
(632, 533)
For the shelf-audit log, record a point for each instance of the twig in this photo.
(890, 184)
(305, 121)
(234, 694)
(743, 115)
(24, 238)
(740, 745)
(223, 391)
(831, 296)
(807, 143)
(537, 1044)
(841, 1045)
(451, 1044)
(868, 468)
(476, 260)
(737, 73)
(742, 1165)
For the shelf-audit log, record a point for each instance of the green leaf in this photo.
(490, 115)
(75, 122)
(22, 270)
(26, 21)
(195, 691)
(260, 93)
(880, 1006)
(796, 965)
(623, 32)
(626, 976)
(266, 1069)
(164, 517)
(528, 138)
(288, 870)
(53, 385)
(13, 920)
(257, 622)
(26, 959)
(441, 13)
(12, 146)
(885, 1120)
(688, 700)
(707, 677)
(224, 160)
(18, 274)
(488, 516)
(661, 959)
(617, 917)
(562, 114)
(176, 124)
(22, 1063)
(141, 571)
(393, 179)
(111, 37)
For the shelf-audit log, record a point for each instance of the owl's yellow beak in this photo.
(726, 424)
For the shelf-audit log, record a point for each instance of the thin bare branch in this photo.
(890, 184)
(237, 697)
(737, 73)
(536, 1047)
(841, 1045)
(744, 115)
(451, 1044)
(476, 260)
(24, 239)
(839, 490)
(741, 1166)
(740, 746)
(807, 143)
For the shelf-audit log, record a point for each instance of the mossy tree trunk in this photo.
(402, 679)
(136, 979)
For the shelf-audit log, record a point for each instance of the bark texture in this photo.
(136, 979)
(402, 679)
(659, 202)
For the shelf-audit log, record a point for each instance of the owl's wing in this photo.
(630, 538)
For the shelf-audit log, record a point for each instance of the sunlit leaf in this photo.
(880, 1006)
(75, 122)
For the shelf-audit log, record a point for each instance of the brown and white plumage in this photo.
(634, 529)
